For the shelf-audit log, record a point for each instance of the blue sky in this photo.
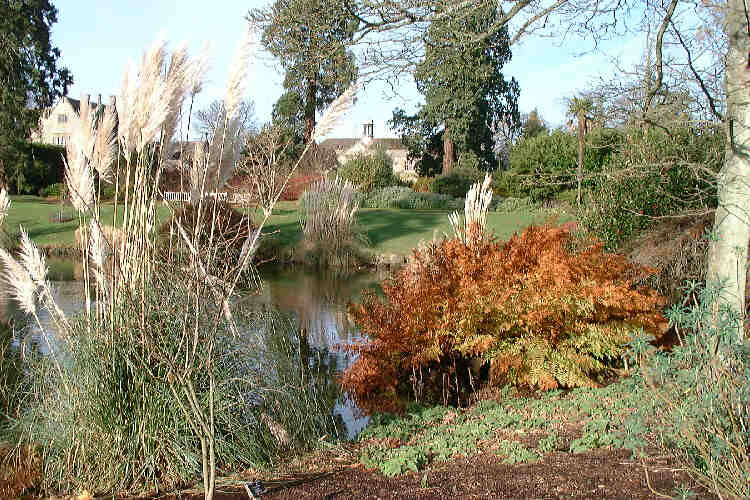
(97, 38)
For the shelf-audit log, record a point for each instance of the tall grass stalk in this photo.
(148, 369)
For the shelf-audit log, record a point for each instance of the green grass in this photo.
(33, 214)
(389, 231)
(399, 231)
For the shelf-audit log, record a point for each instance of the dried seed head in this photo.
(20, 284)
(32, 260)
(4, 205)
(79, 179)
(105, 145)
(335, 111)
(237, 83)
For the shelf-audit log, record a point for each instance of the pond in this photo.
(317, 300)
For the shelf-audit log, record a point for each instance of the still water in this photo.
(318, 300)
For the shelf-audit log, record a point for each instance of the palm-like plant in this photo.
(580, 107)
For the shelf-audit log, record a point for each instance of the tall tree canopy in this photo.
(462, 81)
(311, 39)
(29, 76)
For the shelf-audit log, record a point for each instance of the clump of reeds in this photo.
(142, 389)
(328, 215)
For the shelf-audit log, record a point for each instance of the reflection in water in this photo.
(317, 300)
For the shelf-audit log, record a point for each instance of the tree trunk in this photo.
(449, 153)
(727, 258)
(310, 105)
(579, 172)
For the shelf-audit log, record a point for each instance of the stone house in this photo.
(55, 122)
(347, 148)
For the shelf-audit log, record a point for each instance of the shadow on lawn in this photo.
(384, 225)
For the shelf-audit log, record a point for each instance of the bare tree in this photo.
(211, 117)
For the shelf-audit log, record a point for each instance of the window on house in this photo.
(62, 118)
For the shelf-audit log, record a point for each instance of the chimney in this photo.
(112, 101)
(367, 130)
(99, 100)
(86, 98)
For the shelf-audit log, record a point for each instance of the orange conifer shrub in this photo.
(538, 313)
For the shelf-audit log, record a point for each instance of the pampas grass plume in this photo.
(4, 204)
(238, 74)
(32, 260)
(79, 179)
(105, 145)
(476, 205)
(335, 111)
(22, 287)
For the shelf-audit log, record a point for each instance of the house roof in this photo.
(76, 103)
(346, 143)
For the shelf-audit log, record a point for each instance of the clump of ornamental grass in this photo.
(328, 212)
(142, 391)
(534, 312)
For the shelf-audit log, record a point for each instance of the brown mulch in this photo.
(610, 474)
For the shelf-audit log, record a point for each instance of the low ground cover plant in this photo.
(534, 311)
(406, 198)
(519, 429)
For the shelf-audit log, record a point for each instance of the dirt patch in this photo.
(611, 474)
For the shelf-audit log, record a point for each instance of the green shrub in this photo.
(468, 161)
(108, 191)
(57, 190)
(406, 198)
(544, 165)
(655, 174)
(369, 172)
(619, 209)
(457, 182)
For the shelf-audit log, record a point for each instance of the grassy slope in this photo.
(387, 230)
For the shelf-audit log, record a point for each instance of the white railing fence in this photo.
(183, 196)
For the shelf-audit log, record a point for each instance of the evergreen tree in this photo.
(311, 39)
(463, 85)
(30, 77)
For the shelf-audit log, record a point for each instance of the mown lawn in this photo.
(34, 215)
(388, 231)
(399, 231)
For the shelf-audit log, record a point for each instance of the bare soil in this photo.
(599, 474)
